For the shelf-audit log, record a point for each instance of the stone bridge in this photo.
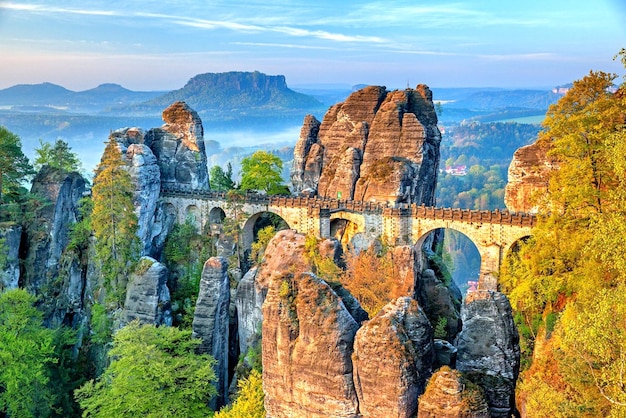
(493, 232)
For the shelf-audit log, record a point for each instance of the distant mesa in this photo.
(236, 91)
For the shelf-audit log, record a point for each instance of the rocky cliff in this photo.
(377, 145)
(393, 357)
(46, 271)
(529, 174)
(10, 238)
(147, 294)
(488, 349)
(172, 156)
(211, 320)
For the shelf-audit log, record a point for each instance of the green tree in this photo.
(114, 221)
(27, 353)
(14, 165)
(258, 247)
(567, 282)
(262, 171)
(186, 250)
(154, 372)
(249, 401)
(59, 156)
(221, 181)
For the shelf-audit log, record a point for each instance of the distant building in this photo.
(457, 170)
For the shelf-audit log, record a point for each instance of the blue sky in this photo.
(159, 45)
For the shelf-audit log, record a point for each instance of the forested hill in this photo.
(236, 92)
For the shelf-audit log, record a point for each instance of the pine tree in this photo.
(113, 220)
(14, 165)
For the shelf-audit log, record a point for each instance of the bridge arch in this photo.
(192, 212)
(349, 229)
(257, 221)
(460, 255)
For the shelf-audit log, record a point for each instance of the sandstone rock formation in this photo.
(179, 148)
(49, 235)
(47, 268)
(377, 145)
(488, 348)
(393, 356)
(528, 177)
(450, 395)
(307, 342)
(211, 320)
(308, 333)
(147, 294)
(440, 302)
(172, 156)
(249, 301)
(146, 177)
(10, 272)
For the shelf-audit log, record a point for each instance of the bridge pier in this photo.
(324, 217)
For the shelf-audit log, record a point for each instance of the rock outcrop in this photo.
(211, 320)
(440, 302)
(450, 395)
(377, 145)
(529, 174)
(147, 294)
(308, 334)
(146, 177)
(10, 237)
(172, 156)
(249, 301)
(179, 148)
(46, 268)
(49, 235)
(488, 348)
(393, 357)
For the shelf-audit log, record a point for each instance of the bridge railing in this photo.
(497, 216)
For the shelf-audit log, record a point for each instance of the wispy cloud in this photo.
(205, 24)
(282, 45)
(535, 56)
(35, 8)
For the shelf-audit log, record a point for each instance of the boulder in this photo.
(179, 149)
(393, 358)
(10, 237)
(450, 395)
(211, 321)
(488, 348)
(147, 294)
(528, 177)
(377, 145)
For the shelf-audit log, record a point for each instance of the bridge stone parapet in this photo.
(493, 232)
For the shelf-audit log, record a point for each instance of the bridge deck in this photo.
(337, 205)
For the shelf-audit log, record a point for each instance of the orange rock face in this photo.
(375, 146)
(529, 175)
(448, 395)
